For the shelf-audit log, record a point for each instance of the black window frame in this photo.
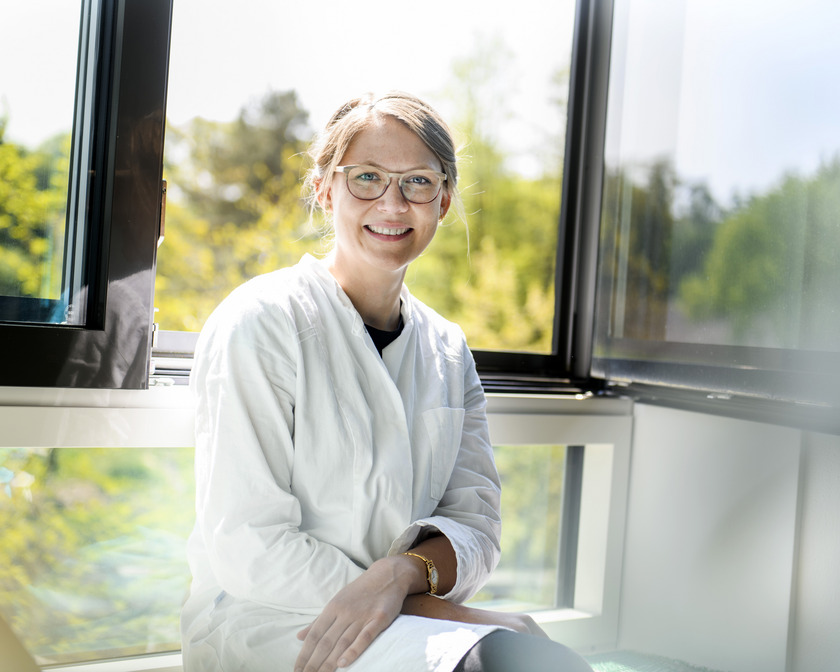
(566, 369)
(111, 348)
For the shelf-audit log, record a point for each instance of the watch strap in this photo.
(431, 571)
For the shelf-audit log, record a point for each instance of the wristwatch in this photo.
(431, 572)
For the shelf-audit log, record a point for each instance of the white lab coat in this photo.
(315, 456)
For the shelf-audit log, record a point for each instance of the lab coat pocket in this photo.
(444, 427)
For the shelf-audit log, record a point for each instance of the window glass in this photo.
(721, 203)
(526, 578)
(37, 93)
(248, 88)
(92, 563)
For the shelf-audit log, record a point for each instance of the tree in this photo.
(773, 269)
(637, 258)
(33, 192)
(494, 273)
(234, 207)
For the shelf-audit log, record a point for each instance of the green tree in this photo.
(773, 268)
(93, 548)
(33, 193)
(494, 273)
(637, 225)
(234, 206)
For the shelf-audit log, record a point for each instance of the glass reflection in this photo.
(721, 203)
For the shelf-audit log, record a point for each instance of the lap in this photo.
(508, 651)
(242, 635)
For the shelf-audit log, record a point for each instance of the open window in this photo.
(80, 211)
(717, 267)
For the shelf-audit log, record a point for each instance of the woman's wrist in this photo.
(407, 572)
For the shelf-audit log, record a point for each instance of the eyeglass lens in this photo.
(417, 186)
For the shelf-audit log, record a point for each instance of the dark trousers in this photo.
(508, 651)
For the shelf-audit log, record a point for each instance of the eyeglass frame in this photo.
(346, 170)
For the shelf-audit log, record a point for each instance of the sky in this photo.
(762, 77)
(225, 55)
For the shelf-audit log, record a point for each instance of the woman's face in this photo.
(388, 233)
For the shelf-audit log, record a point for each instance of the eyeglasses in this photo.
(368, 183)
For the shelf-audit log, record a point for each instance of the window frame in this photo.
(121, 202)
(566, 368)
(788, 387)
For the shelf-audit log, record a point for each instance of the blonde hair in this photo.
(358, 114)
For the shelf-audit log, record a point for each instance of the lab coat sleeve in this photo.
(468, 514)
(244, 382)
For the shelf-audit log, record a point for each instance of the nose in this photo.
(392, 200)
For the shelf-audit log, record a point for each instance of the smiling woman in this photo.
(234, 160)
(343, 475)
(377, 236)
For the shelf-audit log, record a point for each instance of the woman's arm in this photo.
(429, 606)
(367, 606)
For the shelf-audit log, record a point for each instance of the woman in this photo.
(345, 479)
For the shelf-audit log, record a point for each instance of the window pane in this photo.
(37, 94)
(721, 204)
(234, 163)
(92, 563)
(532, 498)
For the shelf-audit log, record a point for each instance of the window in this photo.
(498, 73)
(92, 563)
(719, 229)
(528, 574)
(81, 190)
(35, 153)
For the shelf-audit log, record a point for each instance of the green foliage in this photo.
(93, 557)
(763, 274)
(532, 498)
(773, 268)
(234, 208)
(234, 211)
(33, 190)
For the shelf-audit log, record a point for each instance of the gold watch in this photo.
(431, 572)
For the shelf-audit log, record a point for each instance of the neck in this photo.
(376, 294)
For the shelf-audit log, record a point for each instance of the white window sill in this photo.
(169, 662)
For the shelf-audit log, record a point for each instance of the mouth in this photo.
(388, 231)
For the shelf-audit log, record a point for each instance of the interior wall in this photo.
(710, 542)
(815, 617)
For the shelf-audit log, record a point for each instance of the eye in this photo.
(418, 180)
(366, 175)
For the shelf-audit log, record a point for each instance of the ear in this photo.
(324, 196)
(445, 202)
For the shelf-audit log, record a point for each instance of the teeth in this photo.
(387, 232)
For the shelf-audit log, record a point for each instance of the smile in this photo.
(388, 231)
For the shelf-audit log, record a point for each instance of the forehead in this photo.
(388, 143)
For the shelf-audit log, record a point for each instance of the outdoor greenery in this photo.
(33, 194)
(760, 272)
(235, 210)
(532, 501)
(93, 555)
(93, 552)
(93, 562)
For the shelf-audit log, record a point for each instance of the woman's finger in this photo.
(328, 648)
(363, 640)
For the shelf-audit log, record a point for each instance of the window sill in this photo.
(169, 662)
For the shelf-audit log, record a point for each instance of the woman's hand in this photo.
(356, 615)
